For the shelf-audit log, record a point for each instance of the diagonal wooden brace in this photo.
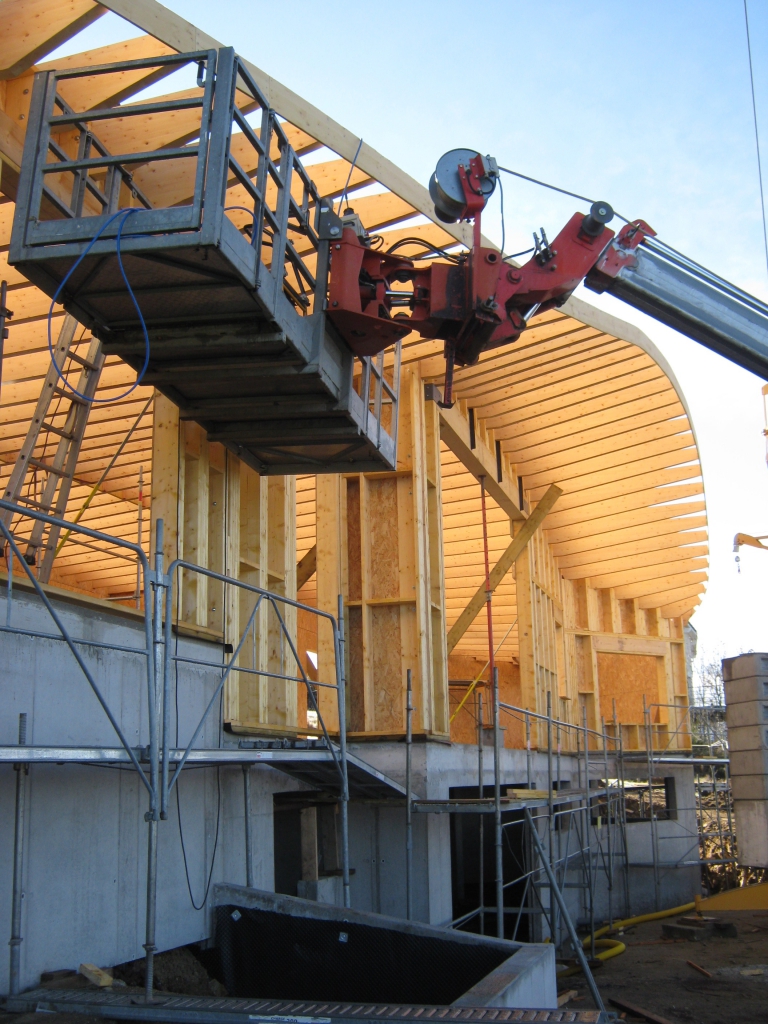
(504, 564)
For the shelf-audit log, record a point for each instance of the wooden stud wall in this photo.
(379, 542)
(218, 513)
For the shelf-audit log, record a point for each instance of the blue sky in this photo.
(645, 105)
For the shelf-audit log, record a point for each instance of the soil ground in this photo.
(653, 974)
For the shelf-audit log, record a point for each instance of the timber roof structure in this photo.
(583, 400)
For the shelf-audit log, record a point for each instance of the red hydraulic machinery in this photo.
(478, 300)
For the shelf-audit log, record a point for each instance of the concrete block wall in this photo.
(745, 680)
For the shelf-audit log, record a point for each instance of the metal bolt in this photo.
(337, 247)
(334, 231)
(334, 303)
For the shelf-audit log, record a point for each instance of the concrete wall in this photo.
(438, 767)
(677, 846)
(85, 835)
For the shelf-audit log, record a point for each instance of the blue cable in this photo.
(101, 401)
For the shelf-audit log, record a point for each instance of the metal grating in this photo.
(213, 1010)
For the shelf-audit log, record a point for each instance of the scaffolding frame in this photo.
(153, 763)
(583, 830)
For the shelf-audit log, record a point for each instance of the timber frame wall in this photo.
(221, 515)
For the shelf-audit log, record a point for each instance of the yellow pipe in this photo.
(641, 919)
(614, 947)
(610, 947)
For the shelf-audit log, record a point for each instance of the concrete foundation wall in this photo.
(85, 836)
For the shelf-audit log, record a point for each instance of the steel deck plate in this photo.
(226, 1010)
(314, 766)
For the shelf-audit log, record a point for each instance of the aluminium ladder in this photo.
(58, 472)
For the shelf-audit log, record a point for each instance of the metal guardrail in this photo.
(152, 764)
(240, 233)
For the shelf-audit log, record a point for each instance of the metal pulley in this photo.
(446, 186)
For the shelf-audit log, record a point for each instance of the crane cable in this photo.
(757, 135)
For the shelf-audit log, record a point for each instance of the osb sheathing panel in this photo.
(463, 670)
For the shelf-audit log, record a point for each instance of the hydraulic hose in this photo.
(614, 947)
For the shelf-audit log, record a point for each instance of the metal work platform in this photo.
(487, 805)
(216, 1010)
(203, 264)
(314, 766)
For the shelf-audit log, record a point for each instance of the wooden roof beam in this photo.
(685, 592)
(684, 607)
(651, 529)
(467, 442)
(661, 591)
(92, 91)
(599, 516)
(657, 431)
(622, 485)
(659, 568)
(538, 444)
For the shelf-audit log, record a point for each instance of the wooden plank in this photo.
(611, 414)
(624, 448)
(634, 464)
(689, 587)
(620, 494)
(683, 607)
(664, 590)
(11, 144)
(479, 459)
(94, 90)
(330, 582)
(638, 1011)
(306, 567)
(165, 476)
(567, 376)
(504, 564)
(194, 516)
(171, 182)
(382, 210)
(658, 520)
(599, 555)
(630, 645)
(568, 440)
(677, 563)
(638, 507)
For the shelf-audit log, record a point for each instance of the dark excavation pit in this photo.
(270, 954)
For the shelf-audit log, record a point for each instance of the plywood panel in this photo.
(626, 678)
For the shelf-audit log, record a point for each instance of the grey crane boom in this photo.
(678, 292)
